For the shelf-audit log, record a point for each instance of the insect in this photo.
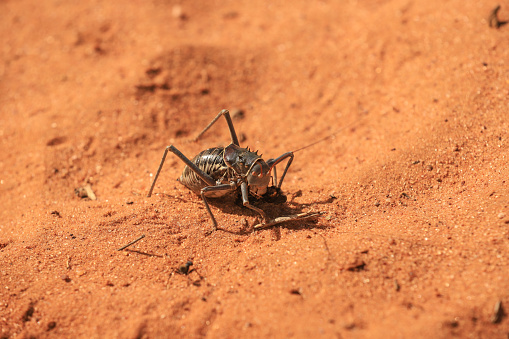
(217, 171)
(184, 269)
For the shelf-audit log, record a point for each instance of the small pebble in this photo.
(80, 272)
(501, 215)
(498, 313)
(177, 12)
(237, 114)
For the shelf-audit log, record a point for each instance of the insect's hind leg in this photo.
(207, 178)
(226, 115)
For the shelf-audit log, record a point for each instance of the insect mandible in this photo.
(218, 171)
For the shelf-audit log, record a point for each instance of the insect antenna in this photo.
(330, 136)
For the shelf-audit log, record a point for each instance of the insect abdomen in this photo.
(210, 161)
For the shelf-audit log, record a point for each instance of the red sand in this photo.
(415, 237)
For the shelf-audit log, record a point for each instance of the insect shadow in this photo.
(273, 208)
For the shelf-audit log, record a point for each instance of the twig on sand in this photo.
(300, 216)
(85, 192)
(131, 243)
(493, 19)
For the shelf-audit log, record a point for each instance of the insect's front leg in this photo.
(245, 201)
(273, 162)
(205, 190)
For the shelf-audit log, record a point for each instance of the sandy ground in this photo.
(412, 181)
